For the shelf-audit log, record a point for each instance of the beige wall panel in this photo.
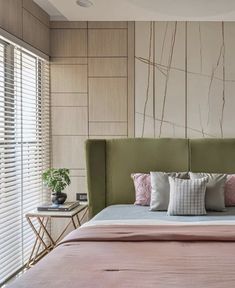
(131, 79)
(143, 100)
(104, 128)
(68, 78)
(142, 39)
(148, 125)
(68, 24)
(68, 42)
(144, 122)
(72, 61)
(197, 93)
(68, 99)
(68, 151)
(107, 99)
(159, 89)
(204, 90)
(106, 137)
(78, 185)
(170, 85)
(69, 121)
(35, 33)
(112, 67)
(34, 9)
(107, 42)
(77, 172)
(107, 24)
(228, 119)
(11, 16)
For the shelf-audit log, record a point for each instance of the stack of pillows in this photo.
(183, 193)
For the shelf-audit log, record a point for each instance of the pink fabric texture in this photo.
(229, 190)
(142, 183)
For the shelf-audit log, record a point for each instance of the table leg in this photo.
(46, 231)
(79, 223)
(39, 245)
(74, 224)
(84, 214)
(62, 233)
(33, 249)
(38, 236)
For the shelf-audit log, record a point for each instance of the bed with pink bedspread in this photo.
(139, 253)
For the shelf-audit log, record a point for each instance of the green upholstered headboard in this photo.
(111, 162)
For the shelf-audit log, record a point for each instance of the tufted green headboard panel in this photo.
(111, 162)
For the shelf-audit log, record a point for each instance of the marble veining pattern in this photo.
(185, 79)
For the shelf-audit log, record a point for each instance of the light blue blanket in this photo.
(130, 212)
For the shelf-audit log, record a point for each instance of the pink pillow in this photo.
(229, 190)
(142, 183)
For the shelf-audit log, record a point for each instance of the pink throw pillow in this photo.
(229, 190)
(142, 183)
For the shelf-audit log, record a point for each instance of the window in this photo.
(24, 150)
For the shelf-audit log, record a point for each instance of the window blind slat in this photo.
(24, 150)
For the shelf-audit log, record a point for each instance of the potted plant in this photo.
(57, 180)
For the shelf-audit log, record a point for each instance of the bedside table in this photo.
(43, 235)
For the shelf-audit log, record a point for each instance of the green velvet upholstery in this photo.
(95, 163)
(111, 162)
(212, 155)
(126, 156)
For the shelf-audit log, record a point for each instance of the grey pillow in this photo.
(160, 189)
(187, 197)
(214, 190)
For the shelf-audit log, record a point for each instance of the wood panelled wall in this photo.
(27, 21)
(92, 90)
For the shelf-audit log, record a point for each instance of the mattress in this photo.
(132, 212)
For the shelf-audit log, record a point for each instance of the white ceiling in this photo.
(140, 10)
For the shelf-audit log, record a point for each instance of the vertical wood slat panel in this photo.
(68, 151)
(96, 80)
(11, 16)
(108, 128)
(27, 21)
(108, 99)
(69, 120)
(108, 88)
(36, 11)
(107, 67)
(107, 42)
(131, 79)
(68, 78)
(68, 24)
(35, 32)
(107, 24)
(68, 42)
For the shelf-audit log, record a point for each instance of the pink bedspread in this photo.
(138, 256)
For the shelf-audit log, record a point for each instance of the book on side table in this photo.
(67, 206)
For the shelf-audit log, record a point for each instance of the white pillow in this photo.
(214, 190)
(160, 189)
(187, 197)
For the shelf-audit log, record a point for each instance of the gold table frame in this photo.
(42, 231)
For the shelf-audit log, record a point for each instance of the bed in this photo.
(129, 246)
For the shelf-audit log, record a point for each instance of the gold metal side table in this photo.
(44, 242)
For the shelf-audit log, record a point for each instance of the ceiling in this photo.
(141, 10)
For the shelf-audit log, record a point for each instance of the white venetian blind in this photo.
(24, 150)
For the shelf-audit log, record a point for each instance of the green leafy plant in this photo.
(56, 179)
